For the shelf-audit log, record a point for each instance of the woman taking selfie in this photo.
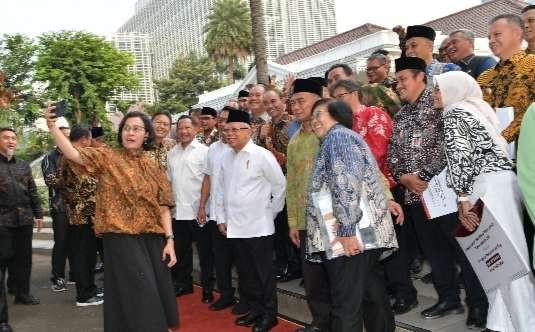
(133, 202)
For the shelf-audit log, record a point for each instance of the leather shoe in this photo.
(477, 318)
(265, 324)
(207, 296)
(248, 319)
(402, 306)
(26, 299)
(183, 291)
(289, 276)
(241, 308)
(222, 304)
(4, 327)
(309, 328)
(442, 309)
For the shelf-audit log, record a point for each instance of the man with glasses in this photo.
(380, 91)
(461, 51)
(252, 194)
(377, 69)
(209, 133)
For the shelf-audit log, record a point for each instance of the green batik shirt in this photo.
(301, 154)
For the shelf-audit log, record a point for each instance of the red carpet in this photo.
(196, 317)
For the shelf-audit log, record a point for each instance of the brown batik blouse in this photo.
(131, 188)
(159, 151)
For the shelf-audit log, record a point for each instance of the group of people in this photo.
(243, 184)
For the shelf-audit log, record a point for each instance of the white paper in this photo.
(505, 117)
(492, 255)
(329, 225)
(439, 199)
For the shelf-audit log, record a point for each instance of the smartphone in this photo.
(61, 108)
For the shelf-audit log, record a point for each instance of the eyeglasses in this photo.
(160, 123)
(134, 129)
(342, 95)
(234, 130)
(206, 117)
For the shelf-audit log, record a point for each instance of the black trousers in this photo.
(16, 252)
(287, 257)
(187, 231)
(396, 266)
(358, 293)
(254, 261)
(443, 251)
(4, 318)
(139, 292)
(84, 256)
(317, 289)
(223, 259)
(61, 250)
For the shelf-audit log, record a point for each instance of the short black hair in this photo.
(167, 114)
(381, 51)
(416, 72)
(182, 117)
(341, 112)
(2, 129)
(347, 70)
(348, 85)
(147, 123)
(79, 131)
(528, 7)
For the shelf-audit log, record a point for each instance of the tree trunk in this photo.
(259, 40)
(231, 68)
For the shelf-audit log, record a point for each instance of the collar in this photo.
(247, 148)
(193, 145)
(514, 59)
(466, 61)
(4, 159)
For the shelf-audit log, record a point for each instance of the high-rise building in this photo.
(139, 46)
(176, 26)
(294, 24)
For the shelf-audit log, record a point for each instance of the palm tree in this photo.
(259, 38)
(228, 33)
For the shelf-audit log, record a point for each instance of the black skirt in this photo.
(138, 291)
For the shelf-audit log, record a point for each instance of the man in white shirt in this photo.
(185, 165)
(222, 248)
(251, 193)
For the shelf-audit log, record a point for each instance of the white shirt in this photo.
(185, 171)
(212, 169)
(252, 192)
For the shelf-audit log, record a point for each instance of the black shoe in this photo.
(183, 291)
(309, 328)
(289, 276)
(241, 308)
(26, 299)
(207, 296)
(402, 306)
(265, 324)
(442, 309)
(95, 300)
(477, 318)
(99, 268)
(248, 319)
(416, 266)
(4, 327)
(427, 279)
(222, 304)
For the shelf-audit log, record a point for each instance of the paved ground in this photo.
(57, 311)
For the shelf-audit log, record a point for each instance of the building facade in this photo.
(139, 46)
(176, 27)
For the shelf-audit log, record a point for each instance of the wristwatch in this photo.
(169, 237)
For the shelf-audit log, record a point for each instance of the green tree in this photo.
(85, 69)
(20, 102)
(228, 33)
(189, 77)
(259, 38)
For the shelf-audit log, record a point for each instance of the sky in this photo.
(103, 17)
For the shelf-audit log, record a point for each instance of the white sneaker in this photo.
(95, 300)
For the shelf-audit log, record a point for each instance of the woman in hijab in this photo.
(477, 165)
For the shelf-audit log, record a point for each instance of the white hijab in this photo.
(461, 91)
